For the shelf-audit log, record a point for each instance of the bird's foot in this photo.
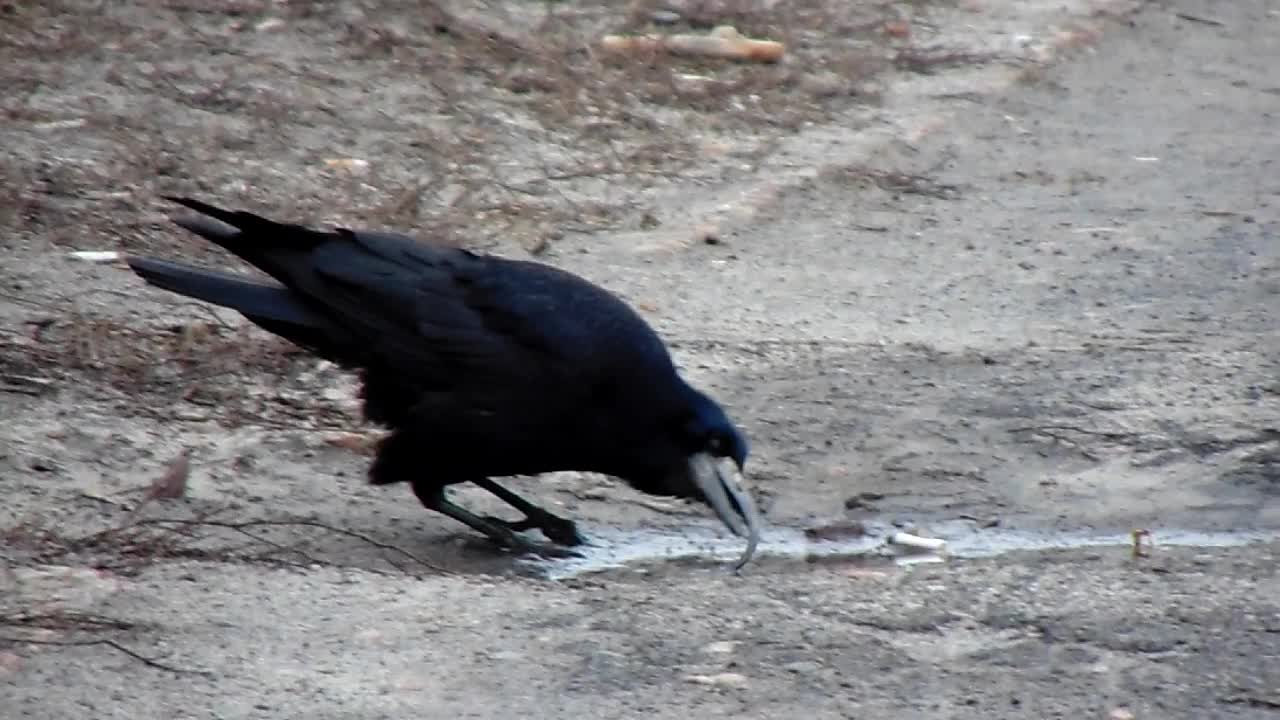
(505, 532)
(555, 528)
(554, 552)
(558, 529)
(521, 544)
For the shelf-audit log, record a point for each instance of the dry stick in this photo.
(1197, 19)
(64, 620)
(138, 538)
(723, 42)
(20, 390)
(150, 662)
(132, 533)
(28, 301)
(1048, 429)
(242, 528)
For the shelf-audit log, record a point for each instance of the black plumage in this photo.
(480, 366)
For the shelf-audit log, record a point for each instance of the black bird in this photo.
(480, 366)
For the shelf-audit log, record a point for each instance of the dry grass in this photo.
(891, 181)
(486, 124)
(137, 543)
(505, 124)
(201, 370)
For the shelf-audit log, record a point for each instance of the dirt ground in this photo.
(999, 271)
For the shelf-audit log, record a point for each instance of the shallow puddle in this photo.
(612, 549)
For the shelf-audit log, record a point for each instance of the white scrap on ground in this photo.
(97, 256)
(915, 542)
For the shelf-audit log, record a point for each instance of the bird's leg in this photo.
(432, 498)
(553, 526)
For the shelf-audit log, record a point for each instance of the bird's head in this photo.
(710, 431)
(716, 456)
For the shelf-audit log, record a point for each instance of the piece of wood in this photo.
(917, 542)
(723, 42)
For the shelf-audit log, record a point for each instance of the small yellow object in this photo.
(1139, 548)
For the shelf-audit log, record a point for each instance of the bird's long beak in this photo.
(723, 490)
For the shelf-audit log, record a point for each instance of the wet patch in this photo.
(613, 549)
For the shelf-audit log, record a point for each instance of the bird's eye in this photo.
(715, 444)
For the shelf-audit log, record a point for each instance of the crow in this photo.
(479, 366)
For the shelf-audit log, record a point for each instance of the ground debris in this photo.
(136, 542)
(836, 531)
(723, 42)
(724, 679)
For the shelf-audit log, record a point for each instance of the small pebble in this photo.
(40, 464)
(802, 667)
(708, 234)
(10, 663)
(836, 531)
(826, 84)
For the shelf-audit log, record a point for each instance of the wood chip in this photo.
(358, 443)
(726, 679)
(349, 164)
(836, 531)
(916, 542)
(173, 484)
(723, 42)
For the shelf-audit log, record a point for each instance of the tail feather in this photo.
(255, 300)
(272, 307)
(267, 245)
(235, 218)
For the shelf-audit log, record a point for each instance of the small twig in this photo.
(244, 526)
(150, 662)
(63, 620)
(665, 508)
(102, 499)
(1056, 432)
(1196, 19)
(274, 547)
(27, 301)
(1047, 429)
(1253, 701)
(25, 384)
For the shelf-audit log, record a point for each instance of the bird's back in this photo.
(516, 347)
(475, 352)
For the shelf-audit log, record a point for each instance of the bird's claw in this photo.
(556, 529)
(561, 531)
(555, 552)
(525, 546)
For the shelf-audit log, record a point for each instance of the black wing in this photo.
(445, 332)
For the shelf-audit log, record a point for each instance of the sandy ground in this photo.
(1006, 300)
